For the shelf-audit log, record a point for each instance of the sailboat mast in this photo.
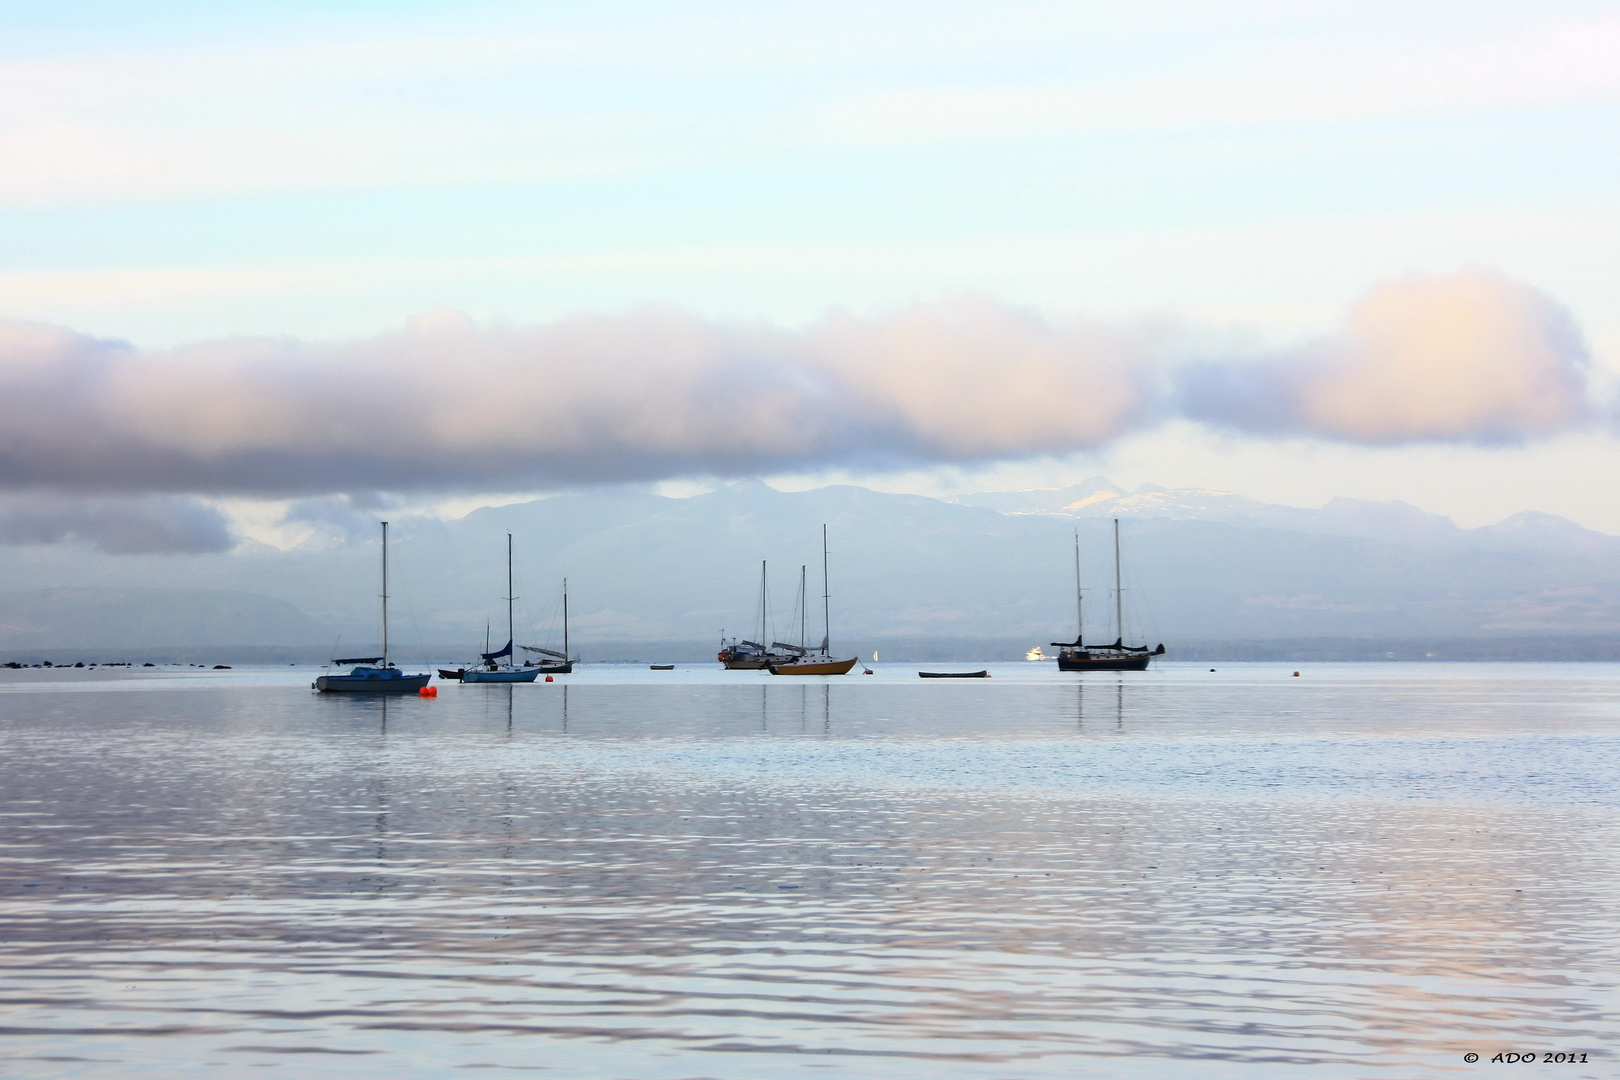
(826, 599)
(1119, 595)
(803, 614)
(762, 601)
(385, 594)
(565, 619)
(1079, 609)
(510, 637)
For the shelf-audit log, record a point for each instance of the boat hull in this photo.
(504, 675)
(377, 682)
(452, 673)
(953, 674)
(1093, 660)
(815, 667)
(755, 661)
(557, 667)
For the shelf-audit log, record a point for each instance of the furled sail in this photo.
(505, 650)
(543, 652)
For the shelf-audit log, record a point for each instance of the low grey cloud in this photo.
(140, 525)
(443, 405)
(1470, 357)
(446, 405)
(342, 517)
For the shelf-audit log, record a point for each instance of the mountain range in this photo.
(1198, 566)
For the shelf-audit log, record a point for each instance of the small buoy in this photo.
(867, 670)
(1212, 669)
(428, 691)
(1296, 674)
(550, 679)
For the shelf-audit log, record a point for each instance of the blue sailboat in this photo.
(374, 674)
(491, 670)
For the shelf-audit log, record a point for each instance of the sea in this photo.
(1229, 870)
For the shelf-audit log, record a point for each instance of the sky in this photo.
(436, 255)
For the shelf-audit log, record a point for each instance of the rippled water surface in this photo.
(1369, 870)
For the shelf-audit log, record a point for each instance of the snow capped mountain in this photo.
(1394, 521)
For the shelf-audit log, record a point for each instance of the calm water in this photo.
(1369, 870)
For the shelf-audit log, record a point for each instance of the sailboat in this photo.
(491, 670)
(374, 674)
(1078, 656)
(821, 663)
(559, 663)
(752, 655)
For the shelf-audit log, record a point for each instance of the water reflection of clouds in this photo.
(972, 882)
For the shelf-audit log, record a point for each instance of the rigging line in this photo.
(800, 614)
(520, 589)
(1142, 603)
(554, 620)
(765, 621)
(356, 594)
(408, 599)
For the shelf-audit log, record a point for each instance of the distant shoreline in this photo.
(1519, 648)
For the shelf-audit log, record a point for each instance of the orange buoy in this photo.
(548, 678)
(428, 691)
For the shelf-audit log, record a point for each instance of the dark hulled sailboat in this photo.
(754, 656)
(1078, 656)
(553, 662)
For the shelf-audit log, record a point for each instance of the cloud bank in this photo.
(1473, 357)
(444, 405)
